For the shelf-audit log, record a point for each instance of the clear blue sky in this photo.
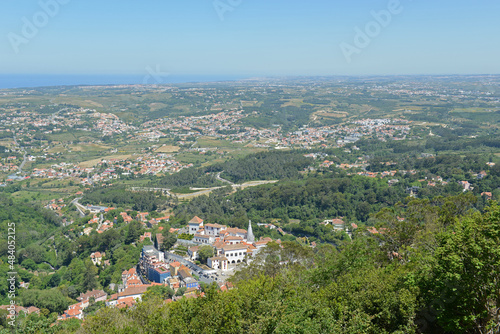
(258, 37)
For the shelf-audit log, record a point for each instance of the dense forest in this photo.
(271, 165)
(33, 223)
(190, 177)
(119, 196)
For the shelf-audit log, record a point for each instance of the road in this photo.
(205, 191)
(223, 180)
(163, 190)
(79, 207)
(25, 158)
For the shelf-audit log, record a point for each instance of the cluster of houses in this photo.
(129, 292)
(174, 274)
(231, 245)
(84, 300)
(104, 225)
(142, 165)
(55, 205)
(16, 310)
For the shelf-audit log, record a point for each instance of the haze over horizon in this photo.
(249, 38)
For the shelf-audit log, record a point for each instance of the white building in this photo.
(194, 225)
(193, 252)
(235, 253)
(214, 229)
(218, 262)
(237, 232)
(230, 240)
(204, 239)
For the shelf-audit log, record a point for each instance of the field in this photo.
(89, 148)
(209, 142)
(167, 149)
(94, 162)
(471, 110)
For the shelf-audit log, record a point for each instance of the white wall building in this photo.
(218, 262)
(194, 225)
(214, 229)
(204, 239)
(235, 253)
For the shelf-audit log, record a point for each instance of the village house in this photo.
(203, 239)
(134, 292)
(73, 311)
(18, 309)
(193, 252)
(218, 262)
(96, 258)
(194, 225)
(97, 295)
(214, 229)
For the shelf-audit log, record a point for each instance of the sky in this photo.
(249, 37)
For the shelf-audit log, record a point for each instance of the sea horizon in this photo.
(13, 81)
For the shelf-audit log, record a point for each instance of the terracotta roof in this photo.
(93, 293)
(234, 247)
(32, 309)
(125, 302)
(233, 238)
(219, 244)
(73, 312)
(236, 230)
(196, 220)
(184, 272)
(215, 225)
(134, 290)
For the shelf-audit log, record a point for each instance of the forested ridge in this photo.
(33, 222)
(273, 165)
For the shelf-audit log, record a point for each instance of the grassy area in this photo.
(94, 162)
(214, 142)
(192, 158)
(184, 190)
(30, 196)
(72, 136)
(471, 110)
(89, 148)
(168, 149)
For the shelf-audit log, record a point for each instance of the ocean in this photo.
(43, 80)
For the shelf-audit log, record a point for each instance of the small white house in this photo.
(218, 262)
(194, 225)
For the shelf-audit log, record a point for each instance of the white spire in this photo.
(250, 237)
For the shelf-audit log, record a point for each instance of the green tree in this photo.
(169, 239)
(89, 281)
(133, 232)
(204, 252)
(461, 287)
